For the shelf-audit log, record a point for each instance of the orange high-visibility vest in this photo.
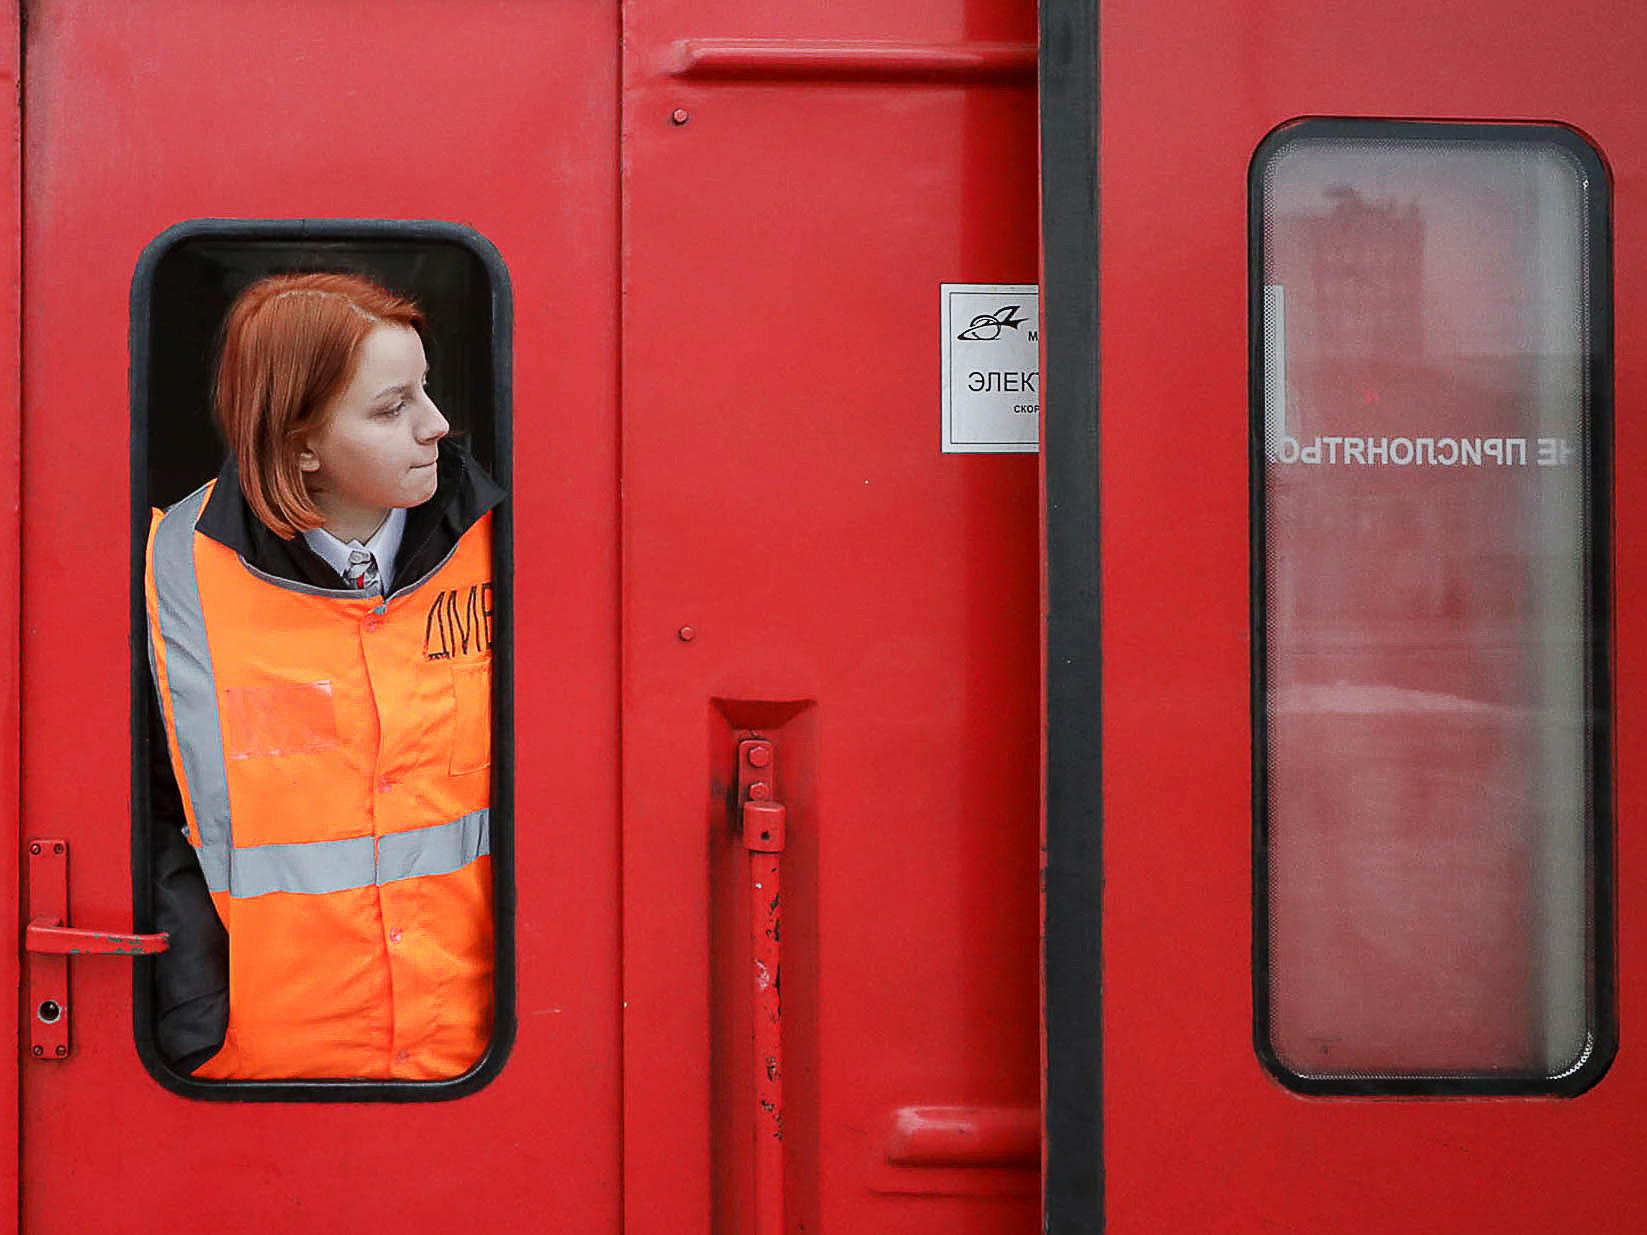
(333, 752)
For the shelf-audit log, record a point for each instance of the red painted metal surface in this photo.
(853, 60)
(1197, 1136)
(764, 827)
(858, 598)
(499, 115)
(11, 530)
(965, 1136)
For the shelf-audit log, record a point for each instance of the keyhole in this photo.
(49, 1012)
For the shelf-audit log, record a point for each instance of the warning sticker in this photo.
(991, 368)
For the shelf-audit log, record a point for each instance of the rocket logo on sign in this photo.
(988, 326)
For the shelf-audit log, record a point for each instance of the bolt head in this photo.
(679, 116)
(760, 756)
(760, 791)
(686, 634)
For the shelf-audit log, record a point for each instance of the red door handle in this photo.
(45, 935)
(50, 942)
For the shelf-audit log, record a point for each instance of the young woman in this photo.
(320, 625)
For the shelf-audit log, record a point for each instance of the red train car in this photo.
(1316, 681)
(654, 245)
(1358, 946)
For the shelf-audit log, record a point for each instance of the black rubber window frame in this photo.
(388, 249)
(1598, 460)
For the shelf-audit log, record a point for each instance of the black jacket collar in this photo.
(463, 493)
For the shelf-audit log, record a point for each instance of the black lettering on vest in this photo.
(461, 629)
(459, 623)
(435, 646)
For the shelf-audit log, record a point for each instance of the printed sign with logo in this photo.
(991, 368)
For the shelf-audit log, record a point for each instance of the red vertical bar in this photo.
(11, 526)
(765, 914)
(763, 835)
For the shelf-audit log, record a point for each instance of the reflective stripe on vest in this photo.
(189, 683)
(321, 866)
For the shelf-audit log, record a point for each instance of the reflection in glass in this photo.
(1427, 596)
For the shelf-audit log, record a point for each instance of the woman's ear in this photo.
(307, 460)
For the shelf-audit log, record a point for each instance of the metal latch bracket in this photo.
(50, 941)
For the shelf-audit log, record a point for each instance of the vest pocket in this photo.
(288, 718)
(472, 724)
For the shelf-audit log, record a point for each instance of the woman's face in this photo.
(376, 446)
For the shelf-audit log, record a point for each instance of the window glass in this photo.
(358, 853)
(1430, 386)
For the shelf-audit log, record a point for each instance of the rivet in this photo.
(58, 847)
(34, 848)
(686, 634)
(39, 1050)
(679, 116)
(62, 1050)
(760, 756)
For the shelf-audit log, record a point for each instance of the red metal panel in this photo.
(1197, 1136)
(500, 115)
(797, 189)
(11, 478)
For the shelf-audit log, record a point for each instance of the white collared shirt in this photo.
(383, 545)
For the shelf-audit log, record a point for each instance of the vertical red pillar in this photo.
(11, 529)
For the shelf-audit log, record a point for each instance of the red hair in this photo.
(289, 349)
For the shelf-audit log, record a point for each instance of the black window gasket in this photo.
(389, 248)
(1598, 488)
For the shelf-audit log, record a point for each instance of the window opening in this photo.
(185, 283)
(1430, 419)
